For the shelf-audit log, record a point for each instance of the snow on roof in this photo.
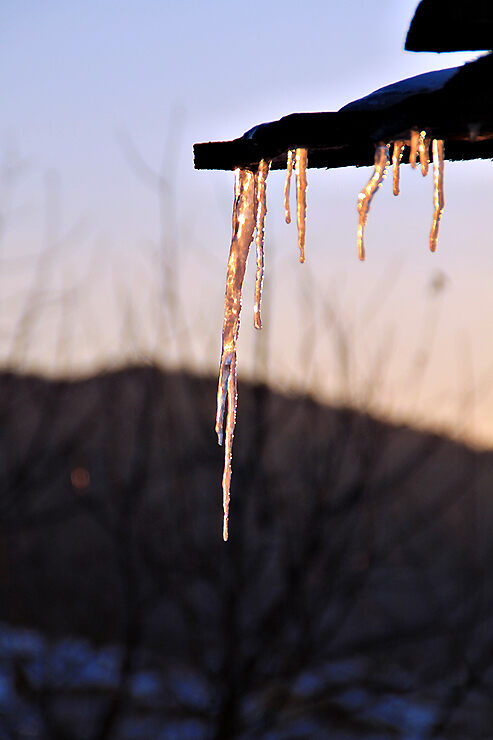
(399, 91)
(251, 133)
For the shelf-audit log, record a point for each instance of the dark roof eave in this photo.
(461, 113)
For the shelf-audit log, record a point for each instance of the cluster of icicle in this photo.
(249, 211)
(419, 145)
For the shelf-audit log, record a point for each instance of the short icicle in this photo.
(424, 152)
(366, 195)
(414, 148)
(300, 169)
(243, 228)
(287, 184)
(396, 161)
(235, 199)
(438, 152)
(261, 210)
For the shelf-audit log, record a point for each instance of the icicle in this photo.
(235, 199)
(287, 184)
(396, 160)
(366, 195)
(300, 169)
(414, 148)
(438, 150)
(424, 152)
(244, 225)
(261, 210)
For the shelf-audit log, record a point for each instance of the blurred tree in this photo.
(352, 600)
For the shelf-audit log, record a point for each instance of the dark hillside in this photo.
(353, 597)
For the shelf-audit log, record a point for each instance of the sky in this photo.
(105, 101)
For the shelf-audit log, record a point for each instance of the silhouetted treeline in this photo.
(353, 599)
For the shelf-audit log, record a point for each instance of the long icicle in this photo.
(261, 210)
(414, 148)
(287, 184)
(424, 152)
(366, 195)
(243, 228)
(300, 169)
(396, 161)
(438, 152)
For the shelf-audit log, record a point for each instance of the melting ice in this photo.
(243, 228)
(438, 152)
(366, 195)
(300, 169)
(297, 160)
(414, 148)
(419, 145)
(396, 161)
(424, 152)
(249, 212)
(261, 210)
(287, 184)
